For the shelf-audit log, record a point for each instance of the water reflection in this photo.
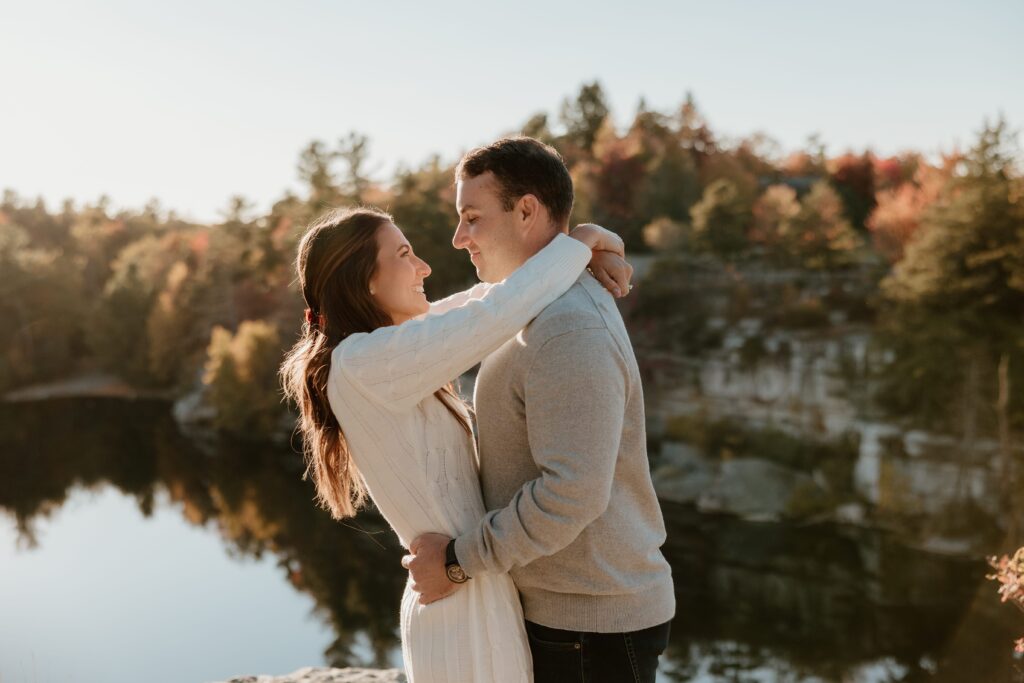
(828, 603)
(757, 602)
(252, 494)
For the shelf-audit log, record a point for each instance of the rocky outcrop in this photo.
(750, 488)
(313, 674)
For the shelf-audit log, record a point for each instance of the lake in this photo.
(130, 552)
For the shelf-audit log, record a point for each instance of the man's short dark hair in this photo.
(522, 166)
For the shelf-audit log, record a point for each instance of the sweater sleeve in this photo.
(400, 365)
(575, 396)
(457, 299)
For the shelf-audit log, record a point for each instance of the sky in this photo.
(191, 102)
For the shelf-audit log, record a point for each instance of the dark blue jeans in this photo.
(570, 656)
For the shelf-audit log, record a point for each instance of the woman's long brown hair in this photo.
(336, 259)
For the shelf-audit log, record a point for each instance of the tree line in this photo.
(167, 303)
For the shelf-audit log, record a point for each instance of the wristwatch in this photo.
(456, 574)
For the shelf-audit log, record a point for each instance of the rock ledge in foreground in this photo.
(313, 674)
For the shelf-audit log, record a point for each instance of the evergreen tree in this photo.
(583, 116)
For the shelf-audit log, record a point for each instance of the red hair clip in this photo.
(317, 321)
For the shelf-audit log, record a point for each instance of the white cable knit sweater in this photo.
(420, 466)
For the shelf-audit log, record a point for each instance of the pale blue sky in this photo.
(191, 101)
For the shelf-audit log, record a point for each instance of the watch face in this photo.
(456, 574)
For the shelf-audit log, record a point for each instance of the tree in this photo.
(693, 132)
(774, 214)
(721, 219)
(354, 150)
(173, 330)
(241, 378)
(853, 177)
(669, 186)
(617, 173)
(665, 234)
(239, 210)
(820, 235)
(116, 330)
(897, 215)
(41, 310)
(315, 170)
(584, 116)
(966, 269)
(537, 127)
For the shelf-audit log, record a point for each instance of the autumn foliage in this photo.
(1010, 575)
(163, 302)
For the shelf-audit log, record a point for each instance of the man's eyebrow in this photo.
(467, 207)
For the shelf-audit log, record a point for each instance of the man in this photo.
(563, 462)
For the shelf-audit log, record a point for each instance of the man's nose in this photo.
(460, 239)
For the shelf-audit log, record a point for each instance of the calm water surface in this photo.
(130, 553)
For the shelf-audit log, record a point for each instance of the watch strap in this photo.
(449, 554)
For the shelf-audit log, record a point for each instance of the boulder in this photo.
(756, 490)
(683, 474)
(312, 674)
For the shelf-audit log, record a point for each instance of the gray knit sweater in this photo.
(563, 465)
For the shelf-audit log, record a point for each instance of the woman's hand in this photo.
(612, 271)
(599, 239)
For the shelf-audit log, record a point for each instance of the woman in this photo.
(372, 377)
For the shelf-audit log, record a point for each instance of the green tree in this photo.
(669, 187)
(820, 234)
(693, 131)
(241, 379)
(116, 330)
(315, 169)
(721, 219)
(353, 150)
(41, 302)
(537, 127)
(584, 115)
(965, 270)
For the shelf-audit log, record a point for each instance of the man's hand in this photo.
(426, 566)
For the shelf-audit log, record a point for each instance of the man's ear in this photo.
(527, 211)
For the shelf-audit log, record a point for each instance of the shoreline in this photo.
(86, 385)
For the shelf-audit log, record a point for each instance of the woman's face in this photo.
(397, 286)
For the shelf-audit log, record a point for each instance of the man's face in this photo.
(488, 232)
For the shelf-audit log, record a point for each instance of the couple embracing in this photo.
(534, 546)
